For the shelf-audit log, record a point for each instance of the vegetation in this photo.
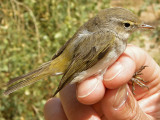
(32, 31)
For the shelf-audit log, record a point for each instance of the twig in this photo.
(35, 23)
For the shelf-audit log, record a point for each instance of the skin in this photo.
(112, 99)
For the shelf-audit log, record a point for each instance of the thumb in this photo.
(120, 104)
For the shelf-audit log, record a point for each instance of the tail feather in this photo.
(28, 79)
(22, 77)
(54, 67)
(24, 83)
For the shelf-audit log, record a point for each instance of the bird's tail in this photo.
(46, 69)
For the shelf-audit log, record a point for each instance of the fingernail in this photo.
(114, 71)
(94, 118)
(120, 97)
(93, 83)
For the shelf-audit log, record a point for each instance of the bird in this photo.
(95, 46)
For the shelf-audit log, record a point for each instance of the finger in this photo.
(122, 71)
(121, 105)
(150, 74)
(91, 90)
(75, 110)
(53, 110)
(151, 105)
(141, 58)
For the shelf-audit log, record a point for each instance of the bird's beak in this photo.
(145, 26)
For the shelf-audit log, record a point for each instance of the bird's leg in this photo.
(138, 80)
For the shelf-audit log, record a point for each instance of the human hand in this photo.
(111, 98)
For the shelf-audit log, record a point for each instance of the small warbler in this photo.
(93, 48)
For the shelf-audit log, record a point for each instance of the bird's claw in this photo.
(138, 80)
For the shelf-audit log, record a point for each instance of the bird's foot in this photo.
(138, 80)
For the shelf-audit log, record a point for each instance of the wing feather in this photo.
(87, 54)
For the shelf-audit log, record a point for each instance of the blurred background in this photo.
(31, 31)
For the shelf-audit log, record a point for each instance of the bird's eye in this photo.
(127, 25)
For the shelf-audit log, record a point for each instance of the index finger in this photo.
(139, 58)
